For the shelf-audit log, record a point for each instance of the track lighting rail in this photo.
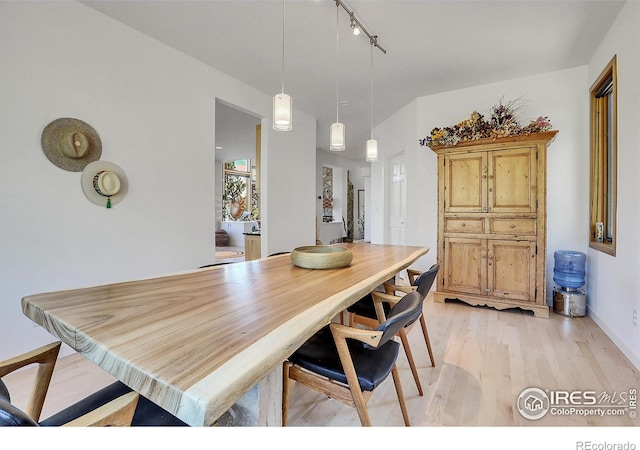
(373, 40)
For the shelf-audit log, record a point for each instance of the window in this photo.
(240, 197)
(604, 161)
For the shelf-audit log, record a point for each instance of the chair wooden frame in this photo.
(45, 357)
(350, 394)
(118, 412)
(391, 289)
(413, 275)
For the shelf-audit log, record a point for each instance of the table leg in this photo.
(270, 399)
(260, 406)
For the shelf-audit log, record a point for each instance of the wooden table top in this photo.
(195, 342)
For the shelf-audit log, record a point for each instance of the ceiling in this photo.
(432, 47)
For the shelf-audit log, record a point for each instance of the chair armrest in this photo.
(378, 299)
(45, 357)
(382, 297)
(391, 288)
(341, 332)
(413, 275)
(116, 413)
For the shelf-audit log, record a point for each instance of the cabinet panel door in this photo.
(512, 180)
(465, 182)
(465, 265)
(512, 269)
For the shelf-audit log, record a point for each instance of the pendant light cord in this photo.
(337, 62)
(283, 2)
(372, 44)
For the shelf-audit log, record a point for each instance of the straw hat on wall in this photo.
(71, 144)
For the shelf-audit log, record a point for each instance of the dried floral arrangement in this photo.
(503, 122)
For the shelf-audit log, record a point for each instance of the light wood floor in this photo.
(485, 359)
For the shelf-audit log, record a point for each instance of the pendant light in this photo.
(371, 150)
(337, 135)
(282, 103)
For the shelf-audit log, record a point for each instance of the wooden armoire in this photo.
(492, 222)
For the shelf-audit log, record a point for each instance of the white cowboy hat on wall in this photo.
(104, 183)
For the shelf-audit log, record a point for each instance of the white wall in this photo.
(397, 136)
(614, 282)
(288, 186)
(154, 109)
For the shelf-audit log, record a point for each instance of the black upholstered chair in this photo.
(115, 412)
(114, 405)
(348, 363)
(363, 312)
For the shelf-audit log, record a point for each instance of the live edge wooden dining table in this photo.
(195, 342)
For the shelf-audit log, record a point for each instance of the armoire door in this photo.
(465, 265)
(465, 182)
(511, 269)
(512, 181)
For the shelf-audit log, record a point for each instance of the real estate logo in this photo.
(534, 403)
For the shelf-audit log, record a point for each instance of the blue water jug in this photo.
(568, 271)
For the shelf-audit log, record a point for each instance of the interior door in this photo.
(397, 201)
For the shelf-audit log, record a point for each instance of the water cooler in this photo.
(568, 273)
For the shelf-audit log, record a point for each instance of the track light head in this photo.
(355, 28)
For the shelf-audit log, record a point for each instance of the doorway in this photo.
(360, 218)
(237, 200)
(397, 200)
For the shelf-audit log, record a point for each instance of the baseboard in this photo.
(634, 359)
